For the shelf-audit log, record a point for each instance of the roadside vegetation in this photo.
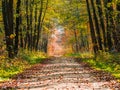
(105, 61)
(10, 67)
(109, 62)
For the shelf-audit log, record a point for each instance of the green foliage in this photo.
(105, 61)
(11, 67)
(33, 57)
(80, 55)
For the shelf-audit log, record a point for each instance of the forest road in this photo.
(61, 73)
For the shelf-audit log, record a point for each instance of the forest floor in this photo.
(61, 73)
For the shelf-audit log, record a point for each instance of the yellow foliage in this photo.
(12, 36)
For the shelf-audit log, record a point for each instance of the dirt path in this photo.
(62, 74)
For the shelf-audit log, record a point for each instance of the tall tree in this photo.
(101, 14)
(17, 29)
(7, 10)
(94, 41)
(97, 28)
(118, 25)
(108, 15)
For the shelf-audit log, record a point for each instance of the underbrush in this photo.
(11, 67)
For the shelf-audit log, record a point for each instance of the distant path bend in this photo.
(62, 74)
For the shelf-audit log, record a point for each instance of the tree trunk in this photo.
(27, 39)
(31, 22)
(109, 24)
(97, 28)
(35, 27)
(17, 29)
(94, 41)
(39, 25)
(7, 11)
(101, 13)
(76, 42)
(118, 26)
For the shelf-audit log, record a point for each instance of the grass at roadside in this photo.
(11, 67)
(80, 55)
(33, 57)
(105, 61)
(109, 62)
